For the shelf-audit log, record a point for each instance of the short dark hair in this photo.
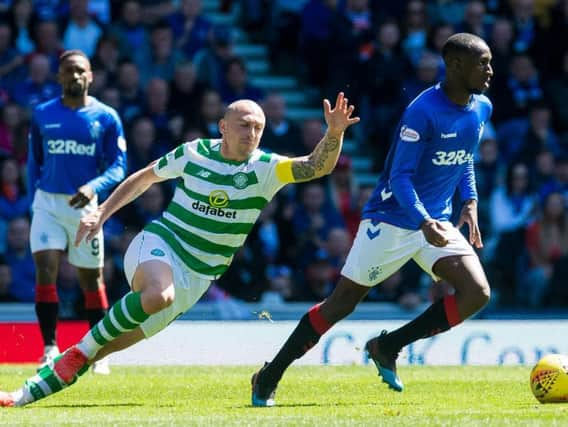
(461, 43)
(73, 52)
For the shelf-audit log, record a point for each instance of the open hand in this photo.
(468, 216)
(339, 118)
(89, 226)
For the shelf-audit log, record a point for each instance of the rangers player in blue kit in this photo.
(77, 151)
(407, 218)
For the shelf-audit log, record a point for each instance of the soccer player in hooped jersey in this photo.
(170, 264)
(407, 218)
(76, 151)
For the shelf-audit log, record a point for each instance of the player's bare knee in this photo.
(481, 294)
(156, 297)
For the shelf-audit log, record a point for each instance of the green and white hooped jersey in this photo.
(215, 204)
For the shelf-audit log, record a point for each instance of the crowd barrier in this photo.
(476, 342)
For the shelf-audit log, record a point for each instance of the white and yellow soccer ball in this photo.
(549, 379)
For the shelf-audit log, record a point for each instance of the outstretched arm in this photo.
(128, 190)
(322, 160)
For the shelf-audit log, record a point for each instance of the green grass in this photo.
(318, 396)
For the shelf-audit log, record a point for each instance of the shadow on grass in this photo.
(294, 405)
(92, 405)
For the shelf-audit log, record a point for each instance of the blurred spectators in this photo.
(129, 29)
(107, 56)
(312, 133)
(315, 40)
(283, 28)
(557, 92)
(501, 44)
(543, 171)
(170, 69)
(81, 31)
(437, 36)
(21, 18)
(143, 146)
(13, 133)
(351, 39)
(415, 30)
(110, 95)
(5, 282)
(161, 58)
(47, 42)
(318, 278)
(426, 75)
(38, 87)
(211, 110)
(148, 207)
(19, 257)
(512, 208)
(521, 87)
(522, 138)
(157, 97)
(343, 190)
(13, 198)
(10, 58)
(489, 172)
(68, 291)
(560, 182)
(190, 27)
(475, 20)
(337, 248)
(513, 205)
(314, 218)
(383, 77)
(236, 84)
(546, 243)
(114, 279)
(280, 134)
(280, 285)
(154, 10)
(245, 279)
(131, 94)
(185, 90)
(211, 61)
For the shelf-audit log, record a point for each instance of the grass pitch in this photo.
(307, 396)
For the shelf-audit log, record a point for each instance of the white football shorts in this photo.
(380, 249)
(54, 226)
(188, 287)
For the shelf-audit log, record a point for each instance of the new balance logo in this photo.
(449, 135)
(203, 173)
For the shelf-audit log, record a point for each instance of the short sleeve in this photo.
(172, 164)
(279, 172)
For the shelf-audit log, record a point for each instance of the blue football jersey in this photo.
(431, 157)
(72, 147)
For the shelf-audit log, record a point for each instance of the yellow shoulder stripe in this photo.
(284, 171)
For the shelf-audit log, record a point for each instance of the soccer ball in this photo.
(549, 379)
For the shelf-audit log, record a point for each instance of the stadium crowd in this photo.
(169, 71)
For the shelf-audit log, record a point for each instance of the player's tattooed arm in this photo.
(320, 162)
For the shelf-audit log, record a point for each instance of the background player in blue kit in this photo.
(77, 151)
(407, 218)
